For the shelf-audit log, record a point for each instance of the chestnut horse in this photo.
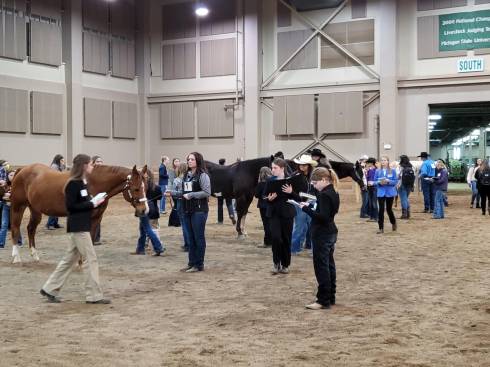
(42, 189)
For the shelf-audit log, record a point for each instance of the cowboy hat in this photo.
(306, 159)
(423, 155)
(316, 152)
(363, 157)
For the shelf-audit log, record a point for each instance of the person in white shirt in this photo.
(470, 178)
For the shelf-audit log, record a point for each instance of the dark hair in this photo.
(77, 170)
(404, 160)
(279, 162)
(200, 164)
(222, 161)
(484, 165)
(95, 157)
(57, 159)
(279, 154)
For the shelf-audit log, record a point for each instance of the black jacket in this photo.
(280, 207)
(327, 205)
(259, 194)
(79, 207)
(153, 195)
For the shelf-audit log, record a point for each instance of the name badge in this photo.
(83, 192)
(188, 186)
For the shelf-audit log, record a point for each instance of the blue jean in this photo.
(364, 212)
(302, 223)
(185, 229)
(52, 222)
(146, 230)
(372, 202)
(196, 225)
(428, 191)
(439, 205)
(163, 200)
(475, 194)
(4, 227)
(324, 264)
(404, 193)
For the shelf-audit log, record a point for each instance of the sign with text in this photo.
(464, 31)
(471, 65)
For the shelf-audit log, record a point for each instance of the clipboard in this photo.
(276, 185)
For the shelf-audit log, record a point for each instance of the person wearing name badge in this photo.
(427, 171)
(371, 190)
(196, 192)
(281, 218)
(386, 180)
(79, 206)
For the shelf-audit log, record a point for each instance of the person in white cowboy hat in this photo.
(302, 221)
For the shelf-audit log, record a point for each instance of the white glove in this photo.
(97, 202)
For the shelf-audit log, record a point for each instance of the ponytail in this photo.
(328, 173)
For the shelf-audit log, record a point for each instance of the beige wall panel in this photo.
(14, 107)
(97, 117)
(220, 20)
(300, 114)
(340, 113)
(177, 120)
(13, 34)
(125, 120)
(95, 53)
(218, 57)
(47, 113)
(288, 42)
(279, 120)
(45, 43)
(213, 120)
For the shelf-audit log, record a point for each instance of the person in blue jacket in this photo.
(385, 180)
(440, 182)
(427, 171)
(163, 181)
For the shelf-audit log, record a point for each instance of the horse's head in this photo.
(135, 191)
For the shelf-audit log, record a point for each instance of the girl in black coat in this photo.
(264, 174)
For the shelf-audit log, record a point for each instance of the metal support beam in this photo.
(313, 35)
(373, 98)
(331, 40)
(319, 141)
(267, 104)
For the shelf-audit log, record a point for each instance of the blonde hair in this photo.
(439, 161)
(321, 172)
(181, 170)
(389, 169)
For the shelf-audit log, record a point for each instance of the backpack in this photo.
(485, 178)
(408, 176)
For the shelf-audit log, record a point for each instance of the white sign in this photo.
(471, 65)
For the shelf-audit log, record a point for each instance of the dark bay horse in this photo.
(239, 180)
(42, 189)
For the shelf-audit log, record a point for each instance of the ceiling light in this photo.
(201, 11)
(476, 132)
(435, 117)
(487, 129)
(432, 123)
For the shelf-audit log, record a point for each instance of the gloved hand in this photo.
(97, 202)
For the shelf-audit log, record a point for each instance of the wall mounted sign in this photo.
(464, 31)
(470, 65)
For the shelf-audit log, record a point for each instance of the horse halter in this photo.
(127, 193)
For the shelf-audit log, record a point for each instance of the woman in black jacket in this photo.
(264, 174)
(79, 205)
(149, 222)
(483, 184)
(281, 218)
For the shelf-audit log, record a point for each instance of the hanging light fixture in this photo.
(201, 10)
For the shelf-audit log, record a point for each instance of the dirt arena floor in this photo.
(418, 297)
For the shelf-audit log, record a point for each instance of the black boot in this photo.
(408, 213)
(404, 214)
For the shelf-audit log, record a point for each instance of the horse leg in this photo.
(16, 214)
(242, 204)
(31, 231)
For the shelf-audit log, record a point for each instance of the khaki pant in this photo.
(80, 246)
